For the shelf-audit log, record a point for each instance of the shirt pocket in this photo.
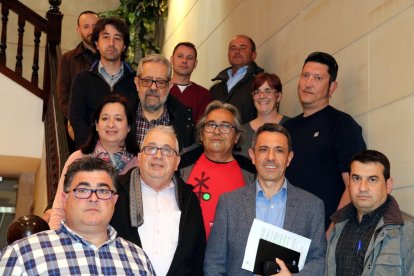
(388, 263)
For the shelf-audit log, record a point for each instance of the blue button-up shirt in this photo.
(234, 79)
(111, 80)
(271, 210)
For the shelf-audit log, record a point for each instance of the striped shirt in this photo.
(63, 252)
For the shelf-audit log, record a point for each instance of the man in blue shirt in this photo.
(235, 82)
(272, 199)
(85, 244)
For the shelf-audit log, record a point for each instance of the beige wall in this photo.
(21, 121)
(71, 10)
(372, 40)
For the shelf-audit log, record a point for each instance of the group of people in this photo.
(168, 176)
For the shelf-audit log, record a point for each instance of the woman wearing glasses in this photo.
(266, 94)
(111, 138)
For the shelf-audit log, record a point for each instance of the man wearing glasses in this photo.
(158, 211)
(214, 168)
(156, 106)
(85, 244)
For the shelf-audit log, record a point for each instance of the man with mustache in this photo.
(156, 106)
(109, 74)
(213, 168)
(235, 82)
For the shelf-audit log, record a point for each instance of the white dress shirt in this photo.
(159, 232)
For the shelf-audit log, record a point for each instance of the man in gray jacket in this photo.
(371, 235)
(272, 199)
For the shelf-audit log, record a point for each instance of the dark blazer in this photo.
(189, 255)
(234, 217)
(240, 95)
(181, 118)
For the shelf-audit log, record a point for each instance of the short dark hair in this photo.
(186, 44)
(88, 164)
(87, 12)
(119, 25)
(271, 127)
(131, 145)
(373, 156)
(328, 60)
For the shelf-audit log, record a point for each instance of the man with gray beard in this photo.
(156, 106)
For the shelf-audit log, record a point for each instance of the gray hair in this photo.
(165, 129)
(220, 105)
(157, 59)
(88, 164)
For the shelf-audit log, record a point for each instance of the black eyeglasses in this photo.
(152, 150)
(266, 92)
(147, 82)
(223, 128)
(84, 193)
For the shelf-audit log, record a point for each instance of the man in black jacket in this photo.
(158, 211)
(108, 75)
(156, 106)
(235, 82)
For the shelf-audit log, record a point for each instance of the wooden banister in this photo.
(51, 27)
(27, 13)
(41, 25)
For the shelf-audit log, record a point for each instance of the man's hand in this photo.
(284, 271)
(46, 215)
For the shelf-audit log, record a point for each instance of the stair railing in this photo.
(50, 28)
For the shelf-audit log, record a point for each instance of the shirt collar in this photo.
(102, 71)
(146, 186)
(372, 217)
(240, 71)
(260, 193)
(110, 230)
